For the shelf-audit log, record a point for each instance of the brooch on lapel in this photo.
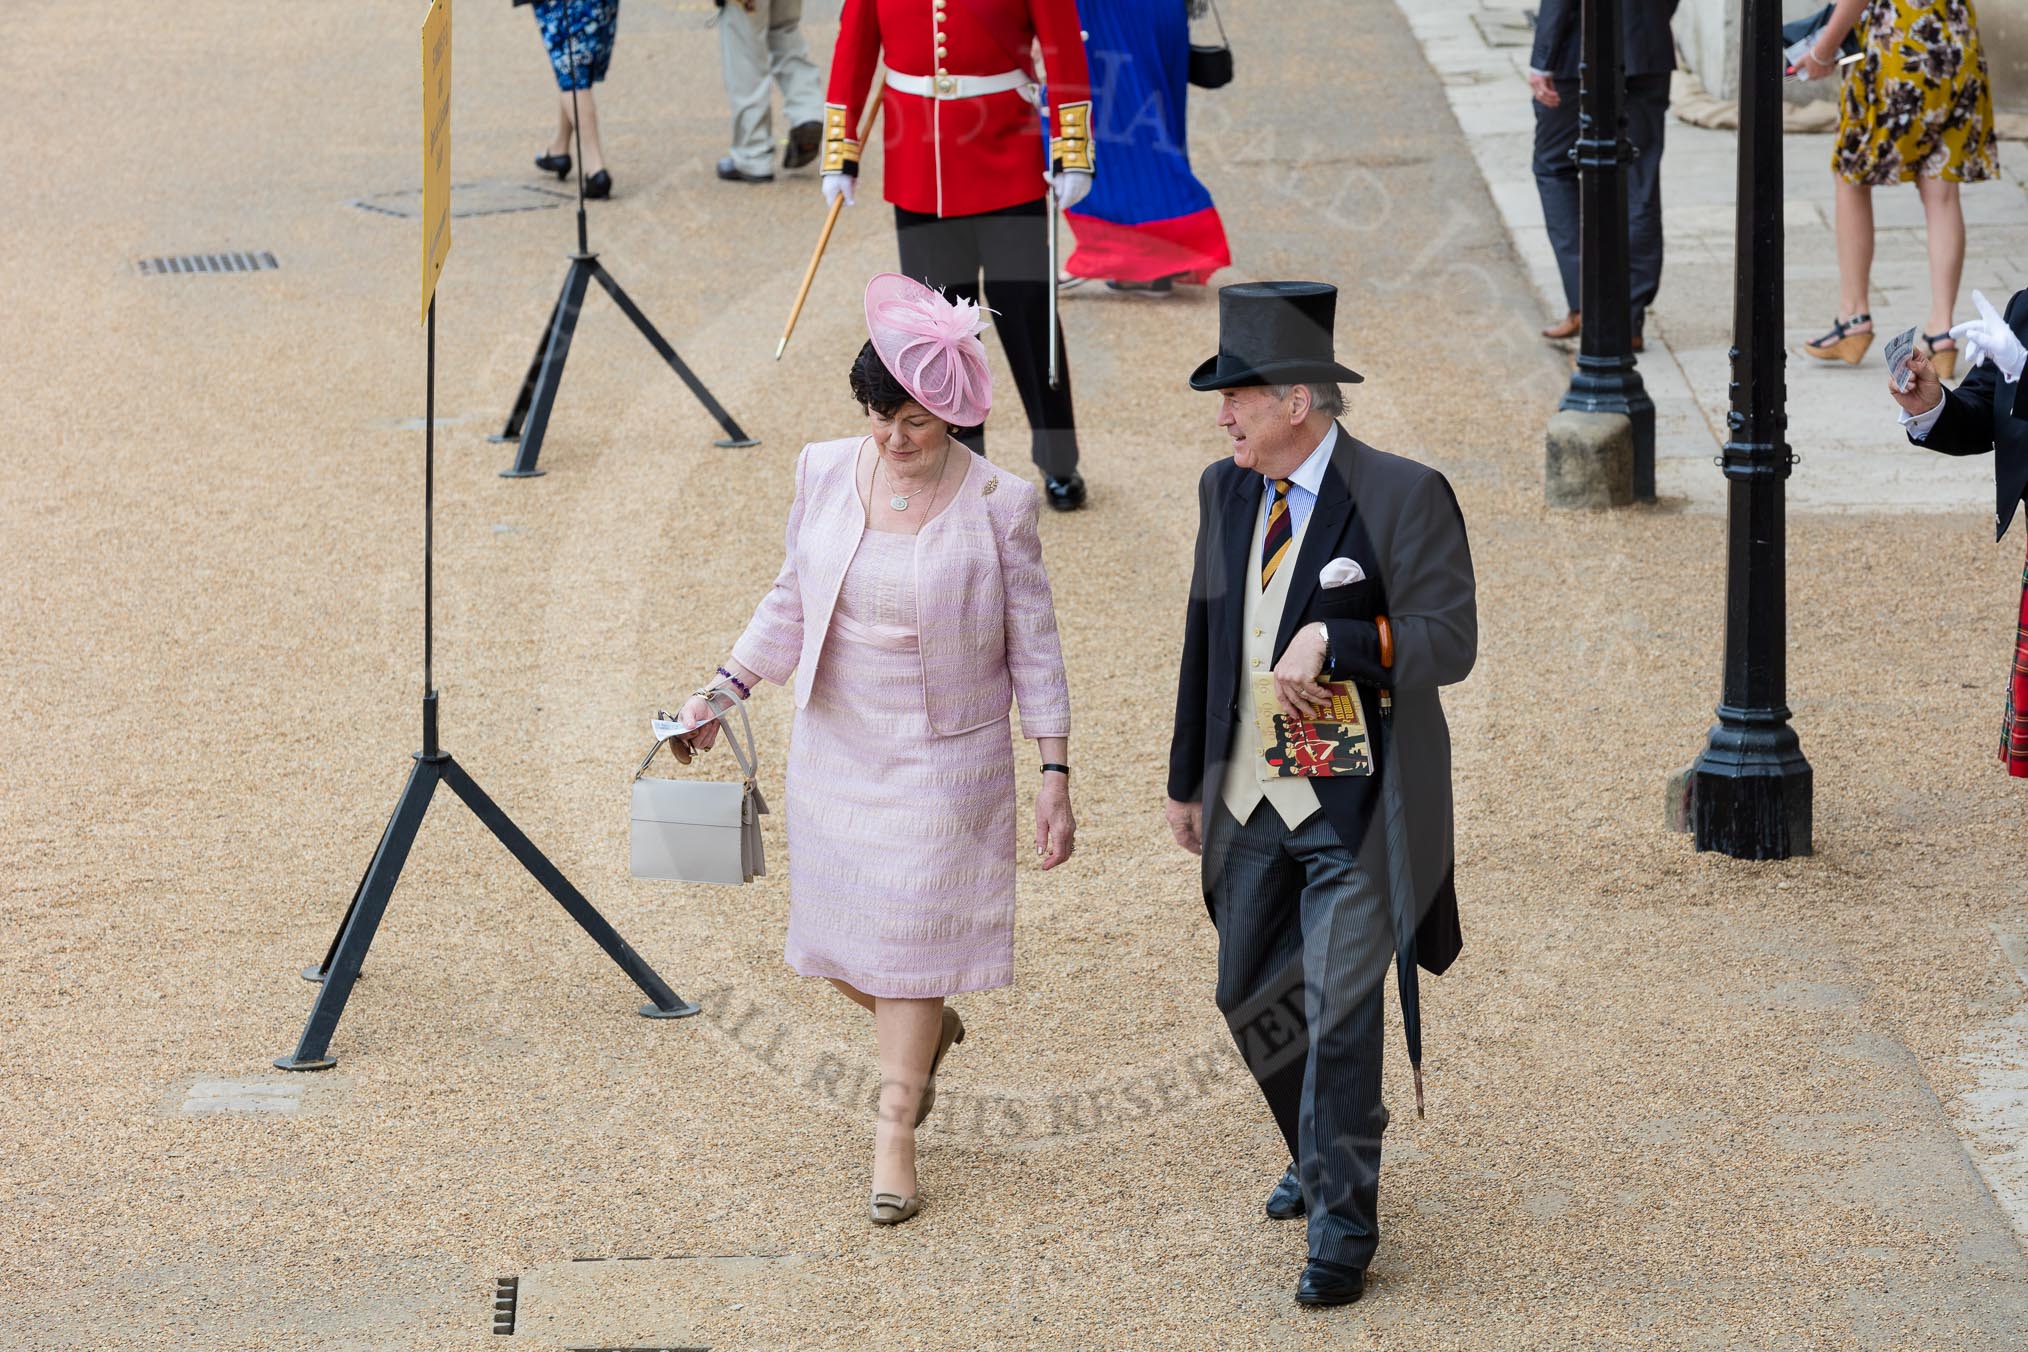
(991, 484)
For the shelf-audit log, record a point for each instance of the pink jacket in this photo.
(986, 627)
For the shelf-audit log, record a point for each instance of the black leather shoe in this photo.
(805, 140)
(732, 173)
(1285, 1203)
(1324, 1283)
(1065, 495)
(1161, 286)
(599, 185)
(553, 164)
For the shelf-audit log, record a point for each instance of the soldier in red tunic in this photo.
(966, 173)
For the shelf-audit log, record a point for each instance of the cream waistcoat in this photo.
(1248, 779)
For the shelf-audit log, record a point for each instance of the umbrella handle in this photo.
(1387, 695)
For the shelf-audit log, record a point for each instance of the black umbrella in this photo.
(1401, 903)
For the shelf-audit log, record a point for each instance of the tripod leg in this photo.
(512, 431)
(667, 1004)
(353, 940)
(550, 375)
(734, 436)
(317, 972)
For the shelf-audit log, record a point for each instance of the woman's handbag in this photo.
(1211, 67)
(687, 831)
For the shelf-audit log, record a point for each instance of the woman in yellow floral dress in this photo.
(1915, 106)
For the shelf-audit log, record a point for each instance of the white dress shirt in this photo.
(1304, 483)
(1918, 424)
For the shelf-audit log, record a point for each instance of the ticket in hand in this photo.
(1896, 354)
(666, 725)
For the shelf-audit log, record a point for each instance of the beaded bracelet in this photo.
(737, 684)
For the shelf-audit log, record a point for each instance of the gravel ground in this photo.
(1676, 1101)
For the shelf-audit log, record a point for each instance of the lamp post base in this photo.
(1750, 790)
(1612, 385)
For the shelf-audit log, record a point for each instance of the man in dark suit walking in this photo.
(1317, 558)
(1649, 51)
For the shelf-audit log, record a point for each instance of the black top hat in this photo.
(1274, 333)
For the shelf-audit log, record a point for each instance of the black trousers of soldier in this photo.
(1010, 247)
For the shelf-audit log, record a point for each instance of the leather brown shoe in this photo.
(1572, 325)
(1325, 1283)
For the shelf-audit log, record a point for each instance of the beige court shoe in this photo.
(953, 1033)
(891, 1208)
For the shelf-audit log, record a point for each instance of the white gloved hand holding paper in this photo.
(837, 184)
(1988, 338)
(1070, 186)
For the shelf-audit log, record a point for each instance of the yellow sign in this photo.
(436, 109)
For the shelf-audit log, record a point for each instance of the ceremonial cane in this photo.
(1055, 334)
(830, 220)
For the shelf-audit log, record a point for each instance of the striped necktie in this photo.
(1276, 542)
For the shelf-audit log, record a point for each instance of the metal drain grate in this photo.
(236, 260)
(506, 1296)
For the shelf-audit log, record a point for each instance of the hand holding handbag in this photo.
(1211, 67)
(687, 831)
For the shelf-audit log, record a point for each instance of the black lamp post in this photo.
(1605, 380)
(1750, 793)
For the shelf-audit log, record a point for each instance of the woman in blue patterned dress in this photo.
(1147, 222)
(579, 35)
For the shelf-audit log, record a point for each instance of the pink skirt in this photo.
(901, 842)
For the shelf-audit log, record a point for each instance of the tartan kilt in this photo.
(2014, 724)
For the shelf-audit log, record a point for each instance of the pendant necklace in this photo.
(899, 502)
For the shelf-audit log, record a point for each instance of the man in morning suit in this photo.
(1987, 411)
(1648, 49)
(1317, 557)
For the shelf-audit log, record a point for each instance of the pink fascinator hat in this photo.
(931, 345)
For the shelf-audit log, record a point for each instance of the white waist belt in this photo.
(956, 86)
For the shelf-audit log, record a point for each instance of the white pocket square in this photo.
(1341, 573)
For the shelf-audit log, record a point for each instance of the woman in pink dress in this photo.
(911, 610)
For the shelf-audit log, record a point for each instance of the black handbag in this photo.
(1806, 30)
(1211, 67)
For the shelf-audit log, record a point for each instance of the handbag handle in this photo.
(1223, 40)
(749, 760)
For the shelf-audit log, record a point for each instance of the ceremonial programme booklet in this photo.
(1332, 745)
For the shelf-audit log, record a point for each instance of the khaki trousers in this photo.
(761, 48)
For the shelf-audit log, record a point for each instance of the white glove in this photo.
(834, 184)
(1071, 185)
(1988, 338)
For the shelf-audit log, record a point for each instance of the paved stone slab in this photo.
(243, 1096)
(1994, 1114)
(1841, 422)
